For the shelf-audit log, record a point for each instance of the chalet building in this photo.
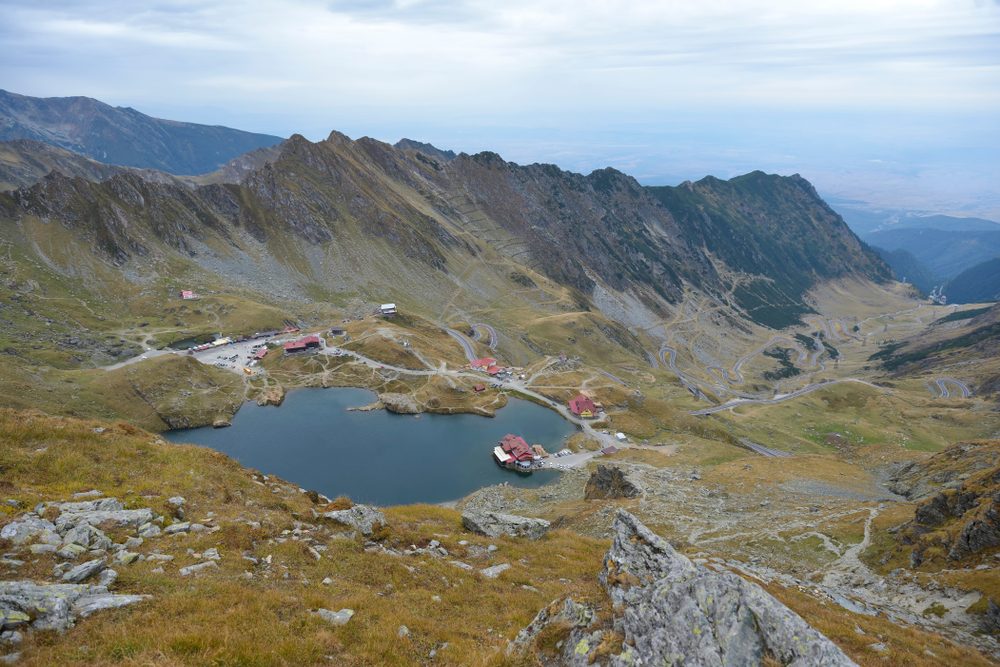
(188, 295)
(482, 364)
(513, 452)
(583, 406)
(387, 309)
(302, 344)
(260, 354)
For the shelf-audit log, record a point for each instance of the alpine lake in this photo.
(315, 441)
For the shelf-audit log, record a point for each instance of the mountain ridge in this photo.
(123, 136)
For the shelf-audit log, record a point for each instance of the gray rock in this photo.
(84, 571)
(126, 518)
(126, 557)
(94, 602)
(608, 482)
(107, 578)
(93, 493)
(11, 637)
(55, 606)
(10, 658)
(335, 617)
(363, 518)
(211, 554)
(179, 527)
(176, 501)
(39, 549)
(495, 524)
(30, 528)
(149, 530)
(671, 611)
(86, 536)
(199, 567)
(494, 571)
(403, 632)
(70, 551)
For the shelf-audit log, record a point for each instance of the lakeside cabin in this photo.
(583, 406)
(302, 344)
(514, 453)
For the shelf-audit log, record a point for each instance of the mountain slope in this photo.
(123, 136)
(909, 269)
(946, 253)
(977, 284)
(775, 227)
(341, 214)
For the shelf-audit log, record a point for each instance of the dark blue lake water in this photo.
(378, 457)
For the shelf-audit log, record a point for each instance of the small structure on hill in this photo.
(291, 328)
(188, 295)
(479, 388)
(387, 309)
(583, 406)
(337, 331)
(307, 343)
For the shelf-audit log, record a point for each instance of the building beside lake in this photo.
(583, 406)
(514, 452)
(302, 344)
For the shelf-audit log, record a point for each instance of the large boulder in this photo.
(670, 611)
(495, 524)
(30, 528)
(54, 606)
(609, 482)
(363, 518)
(403, 404)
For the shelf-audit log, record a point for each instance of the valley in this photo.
(758, 380)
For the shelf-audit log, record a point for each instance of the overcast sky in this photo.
(895, 102)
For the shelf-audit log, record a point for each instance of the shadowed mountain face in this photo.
(775, 230)
(343, 215)
(123, 136)
(978, 284)
(945, 253)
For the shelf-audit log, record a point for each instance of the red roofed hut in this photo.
(583, 406)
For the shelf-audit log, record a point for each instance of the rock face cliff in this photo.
(667, 610)
(959, 514)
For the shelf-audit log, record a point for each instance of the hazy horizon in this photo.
(890, 103)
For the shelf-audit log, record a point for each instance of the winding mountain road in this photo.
(479, 327)
(780, 398)
(470, 353)
(942, 387)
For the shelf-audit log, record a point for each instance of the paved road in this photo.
(470, 353)
(490, 331)
(942, 386)
(762, 450)
(779, 398)
(613, 377)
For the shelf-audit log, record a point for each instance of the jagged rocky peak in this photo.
(667, 610)
(427, 149)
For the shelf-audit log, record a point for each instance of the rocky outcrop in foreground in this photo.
(609, 482)
(670, 611)
(495, 524)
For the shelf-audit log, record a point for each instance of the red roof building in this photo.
(482, 364)
(582, 406)
(290, 329)
(302, 344)
(516, 448)
(493, 370)
(478, 388)
(261, 353)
